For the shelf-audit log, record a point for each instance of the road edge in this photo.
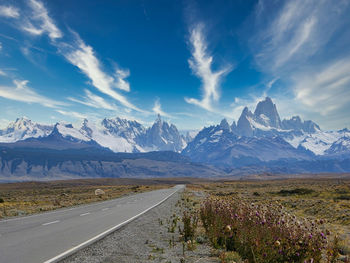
(75, 249)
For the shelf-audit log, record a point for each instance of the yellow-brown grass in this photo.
(33, 197)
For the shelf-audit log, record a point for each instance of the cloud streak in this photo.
(80, 55)
(201, 65)
(302, 43)
(157, 108)
(40, 22)
(327, 89)
(94, 101)
(21, 92)
(83, 57)
(295, 33)
(72, 114)
(9, 11)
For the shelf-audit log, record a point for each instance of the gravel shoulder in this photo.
(146, 239)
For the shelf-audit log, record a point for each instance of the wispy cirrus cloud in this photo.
(79, 54)
(92, 100)
(120, 82)
(325, 89)
(72, 114)
(201, 65)
(295, 33)
(40, 22)
(9, 11)
(21, 92)
(157, 109)
(303, 44)
(83, 57)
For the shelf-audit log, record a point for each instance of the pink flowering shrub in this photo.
(264, 233)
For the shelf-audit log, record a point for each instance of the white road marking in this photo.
(103, 234)
(49, 223)
(104, 209)
(85, 214)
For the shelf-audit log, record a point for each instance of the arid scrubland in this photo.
(17, 199)
(294, 220)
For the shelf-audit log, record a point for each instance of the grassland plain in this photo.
(307, 200)
(17, 199)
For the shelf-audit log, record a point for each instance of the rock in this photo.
(99, 192)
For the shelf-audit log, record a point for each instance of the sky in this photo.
(192, 62)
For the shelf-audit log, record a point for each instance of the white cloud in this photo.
(9, 11)
(83, 57)
(40, 22)
(95, 101)
(295, 33)
(78, 54)
(2, 73)
(326, 89)
(157, 108)
(21, 92)
(120, 81)
(72, 114)
(4, 123)
(304, 44)
(201, 65)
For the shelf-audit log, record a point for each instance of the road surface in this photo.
(49, 237)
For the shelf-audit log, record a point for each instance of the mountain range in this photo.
(262, 137)
(260, 141)
(118, 135)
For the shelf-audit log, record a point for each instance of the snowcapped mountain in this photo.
(162, 136)
(266, 114)
(118, 135)
(220, 146)
(22, 129)
(265, 121)
(318, 142)
(295, 123)
(257, 137)
(262, 137)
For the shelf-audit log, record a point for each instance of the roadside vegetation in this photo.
(17, 199)
(277, 221)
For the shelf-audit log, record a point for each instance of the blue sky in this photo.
(194, 62)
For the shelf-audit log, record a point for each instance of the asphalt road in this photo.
(50, 236)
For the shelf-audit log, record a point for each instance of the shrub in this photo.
(190, 223)
(296, 191)
(342, 197)
(262, 233)
(2, 200)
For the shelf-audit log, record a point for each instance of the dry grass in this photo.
(33, 197)
(327, 199)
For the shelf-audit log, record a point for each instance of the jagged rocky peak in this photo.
(86, 129)
(123, 127)
(244, 126)
(159, 119)
(296, 123)
(233, 126)
(22, 129)
(266, 113)
(224, 125)
(163, 136)
(21, 123)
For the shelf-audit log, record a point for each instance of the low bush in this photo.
(190, 223)
(296, 191)
(264, 233)
(342, 197)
